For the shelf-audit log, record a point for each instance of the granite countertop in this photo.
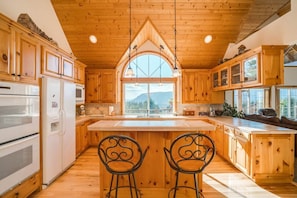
(151, 125)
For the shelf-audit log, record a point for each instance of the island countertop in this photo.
(151, 125)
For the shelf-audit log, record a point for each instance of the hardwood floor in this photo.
(220, 180)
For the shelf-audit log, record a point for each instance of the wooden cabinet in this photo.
(272, 158)
(20, 55)
(220, 78)
(242, 152)
(79, 72)
(25, 188)
(196, 87)
(263, 66)
(229, 144)
(56, 63)
(100, 86)
(82, 139)
(219, 138)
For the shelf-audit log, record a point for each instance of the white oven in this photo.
(19, 111)
(18, 160)
(19, 133)
(80, 94)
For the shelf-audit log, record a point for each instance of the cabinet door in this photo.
(188, 87)
(67, 68)
(93, 93)
(229, 144)
(107, 86)
(224, 77)
(78, 145)
(215, 79)
(51, 62)
(219, 139)
(251, 73)
(203, 87)
(242, 160)
(235, 71)
(79, 72)
(5, 51)
(27, 58)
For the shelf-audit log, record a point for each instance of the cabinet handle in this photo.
(16, 194)
(4, 58)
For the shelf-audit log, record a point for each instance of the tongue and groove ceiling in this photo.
(228, 21)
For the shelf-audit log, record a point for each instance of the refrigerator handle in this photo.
(62, 120)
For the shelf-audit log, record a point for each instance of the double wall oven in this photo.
(19, 133)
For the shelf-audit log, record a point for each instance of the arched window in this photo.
(151, 90)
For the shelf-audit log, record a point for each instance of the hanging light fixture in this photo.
(161, 47)
(130, 72)
(175, 69)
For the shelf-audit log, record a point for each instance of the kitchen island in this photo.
(154, 134)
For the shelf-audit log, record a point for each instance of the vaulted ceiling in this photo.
(228, 21)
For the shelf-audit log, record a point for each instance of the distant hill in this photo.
(160, 98)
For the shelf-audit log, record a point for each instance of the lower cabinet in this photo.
(82, 139)
(265, 158)
(25, 188)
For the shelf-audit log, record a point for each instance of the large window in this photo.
(288, 102)
(251, 100)
(151, 91)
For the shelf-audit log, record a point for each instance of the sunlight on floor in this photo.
(235, 185)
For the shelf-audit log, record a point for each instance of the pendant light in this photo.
(130, 72)
(175, 69)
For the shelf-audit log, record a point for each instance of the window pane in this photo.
(151, 98)
(252, 100)
(288, 102)
(150, 66)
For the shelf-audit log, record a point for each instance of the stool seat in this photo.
(189, 153)
(121, 155)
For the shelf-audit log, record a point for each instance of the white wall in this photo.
(282, 31)
(43, 15)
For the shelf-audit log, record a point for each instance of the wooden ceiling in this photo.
(228, 21)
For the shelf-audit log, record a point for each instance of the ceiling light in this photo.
(93, 38)
(208, 39)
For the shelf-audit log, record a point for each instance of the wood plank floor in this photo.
(220, 180)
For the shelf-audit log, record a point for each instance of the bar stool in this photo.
(121, 155)
(190, 153)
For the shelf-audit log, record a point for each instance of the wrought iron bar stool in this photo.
(121, 155)
(190, 153)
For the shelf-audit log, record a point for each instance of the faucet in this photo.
(147, 112)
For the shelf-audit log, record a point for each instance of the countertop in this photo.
(151, 125)
(247, 126)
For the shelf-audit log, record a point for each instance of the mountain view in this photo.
(160, 101)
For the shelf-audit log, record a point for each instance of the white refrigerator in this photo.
(58, 127)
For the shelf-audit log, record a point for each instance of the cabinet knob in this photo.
(4, 58)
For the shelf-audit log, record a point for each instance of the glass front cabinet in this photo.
(250, 69)
(220, 78)
(263, 66)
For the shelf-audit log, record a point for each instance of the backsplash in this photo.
(103, 108)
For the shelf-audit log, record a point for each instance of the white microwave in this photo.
(80, 94)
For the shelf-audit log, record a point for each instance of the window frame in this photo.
(134, 79)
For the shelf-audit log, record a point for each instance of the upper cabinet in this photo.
(100, 86)
(20, 54)
(263, 66)
(79, 72)
(56, 63)
(220, 78)
(196, 87)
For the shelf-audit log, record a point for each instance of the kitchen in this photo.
(45, 51)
